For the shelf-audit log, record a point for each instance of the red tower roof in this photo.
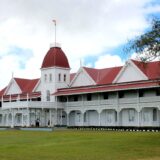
(55, 57)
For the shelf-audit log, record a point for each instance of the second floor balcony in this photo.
(31, 104)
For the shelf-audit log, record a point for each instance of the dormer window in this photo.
(59, 77)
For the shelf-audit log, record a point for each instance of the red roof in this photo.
(26, 85)
(150, 69)
(55, 57)
(103, 76)
(103, 88)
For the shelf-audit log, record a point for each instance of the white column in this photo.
(82, 118)
(50, 118)
(22, 119)
(7, 120)
(118, 118)
(61, 116)
(56, 117)
(12, 124)
(67, 119)
(28, 122)
(10, 98)
(138, 114)
(99, 118)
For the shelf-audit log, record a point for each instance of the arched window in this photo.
(50, 77)
(48, 95)
(64, 77)
(59, 77)
(45, 77)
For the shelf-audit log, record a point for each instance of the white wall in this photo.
(38, 87)
(82, 79)
(53, 85)
(129, 74)
(13, 88)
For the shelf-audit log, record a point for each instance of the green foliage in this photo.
(79, 145)
(147, 45)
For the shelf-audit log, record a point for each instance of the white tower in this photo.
(55, 72)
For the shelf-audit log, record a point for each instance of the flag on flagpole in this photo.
(54, 21)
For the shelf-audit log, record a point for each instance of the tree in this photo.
(147, 46)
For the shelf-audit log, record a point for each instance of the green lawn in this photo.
(79, 145)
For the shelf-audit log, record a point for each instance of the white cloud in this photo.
(108, 60)
(83, 27)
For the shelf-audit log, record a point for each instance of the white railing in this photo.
(32, 104)
(91, 103)
(128, 100)
(149, 99)
(125, 102)
(109, 102)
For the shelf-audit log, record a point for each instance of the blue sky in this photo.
(90, 30)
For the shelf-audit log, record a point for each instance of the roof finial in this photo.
(55, 23)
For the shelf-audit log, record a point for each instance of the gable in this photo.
(37, 87)
(130, 73)
(13, 88)
(82, 79)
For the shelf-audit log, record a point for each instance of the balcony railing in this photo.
(31, 104)
(116, 102)
(123, 102)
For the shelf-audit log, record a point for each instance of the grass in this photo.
(79, 145)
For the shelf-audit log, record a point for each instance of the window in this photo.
(158, 92)
(89, 97)
(75, 98)
(64, 77)
(50, 77)
(45, 77)
(141, 94)
(59, 77)
(131, 114)
(105, 95)
(121, 94)
(154, 114)
(63, 99)
(48, 95)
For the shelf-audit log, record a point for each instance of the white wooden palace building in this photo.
(127, 95)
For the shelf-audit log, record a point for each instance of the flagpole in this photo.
(55, 31)
(55, 34)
